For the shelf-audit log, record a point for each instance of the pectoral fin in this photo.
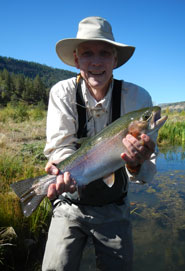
(109, 179)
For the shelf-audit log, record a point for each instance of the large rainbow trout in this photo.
(97, 157)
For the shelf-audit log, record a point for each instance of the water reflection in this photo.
(171, 159)
(158, 218)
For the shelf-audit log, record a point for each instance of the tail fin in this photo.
(22, 187)
(28, 207)
(25, 191)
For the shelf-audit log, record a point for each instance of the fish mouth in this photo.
(157, 121)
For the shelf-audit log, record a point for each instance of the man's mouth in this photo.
(96, 73)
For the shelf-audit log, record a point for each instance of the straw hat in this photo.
(92, 29)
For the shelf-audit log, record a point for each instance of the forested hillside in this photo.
(48, 75)
(27, 81)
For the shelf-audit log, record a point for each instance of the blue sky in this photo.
(30, 29)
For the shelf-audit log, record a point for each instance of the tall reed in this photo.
(173, 131)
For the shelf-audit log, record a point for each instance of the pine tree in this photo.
(27, 92)
(19, 87)
(5, 87)
(39, 90)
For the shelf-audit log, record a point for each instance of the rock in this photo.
(7, 235)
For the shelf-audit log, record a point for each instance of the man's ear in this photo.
(76, 59)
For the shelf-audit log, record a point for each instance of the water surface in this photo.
(158, 218)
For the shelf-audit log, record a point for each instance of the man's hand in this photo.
(64, 182)
(138, 150)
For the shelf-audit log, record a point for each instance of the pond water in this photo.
(158, 218)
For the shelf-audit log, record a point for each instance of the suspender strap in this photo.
(116, 99)
(82, 128)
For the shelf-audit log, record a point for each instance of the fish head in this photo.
(149, 121)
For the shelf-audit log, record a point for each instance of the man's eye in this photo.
(105, 53)
(87, 53)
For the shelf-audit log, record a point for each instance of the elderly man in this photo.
(80, 107)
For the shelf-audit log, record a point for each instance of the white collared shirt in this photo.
(62, 118)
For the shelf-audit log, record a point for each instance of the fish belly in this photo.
(99, 161)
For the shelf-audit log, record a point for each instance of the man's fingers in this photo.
(52, 194)
(67, 179)
(60, 185)
(148, 142)
(137, 150)
(126, 158)
(65, 183)
(132, 147)
(51, 168)
(145, 144)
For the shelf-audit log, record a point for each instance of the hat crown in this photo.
(94, 28)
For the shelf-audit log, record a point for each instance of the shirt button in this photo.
(99, 106)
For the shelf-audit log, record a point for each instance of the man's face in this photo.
(96, 60)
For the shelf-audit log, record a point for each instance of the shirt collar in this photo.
(91, 102)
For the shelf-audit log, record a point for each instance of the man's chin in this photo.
(95, 84)
(96, 81)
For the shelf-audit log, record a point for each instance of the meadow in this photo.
(22, 139)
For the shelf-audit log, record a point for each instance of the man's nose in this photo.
(96, 60)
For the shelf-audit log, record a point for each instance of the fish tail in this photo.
(30, 200)
(24, 186)
(30, 205)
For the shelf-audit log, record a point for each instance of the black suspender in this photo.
(116, 99)
(82, 128)
(116, 107)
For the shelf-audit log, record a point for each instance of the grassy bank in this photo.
(173, 131)
(22, 139)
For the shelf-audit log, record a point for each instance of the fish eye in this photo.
(146, 115)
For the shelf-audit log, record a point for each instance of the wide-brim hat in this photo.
(93, 29)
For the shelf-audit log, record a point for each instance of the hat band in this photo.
(96, 35)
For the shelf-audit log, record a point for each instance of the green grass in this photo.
(173, 131)
(22, 112)
(22, 140)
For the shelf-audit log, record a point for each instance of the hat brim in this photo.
(66, 47)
